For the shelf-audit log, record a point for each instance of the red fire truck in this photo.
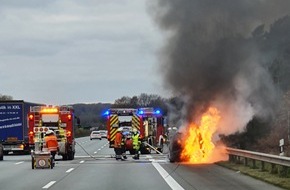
(60, 119)
(120, 117)
(151, 126)
(147, 121)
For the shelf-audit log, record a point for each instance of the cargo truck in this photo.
(14, 126)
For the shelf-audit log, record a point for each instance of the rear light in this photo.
(69, 117)
(40, 129)
(31, 116)
(31, 133)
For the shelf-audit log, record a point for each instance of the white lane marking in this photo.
(96, 152)
(82, 156)
(148, 156)
(82, 161)
(48, 185)
(161, 161)
(69, 170)
(19, 163)
(99, 149)
(168, 179)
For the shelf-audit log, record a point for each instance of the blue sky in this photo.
(71, 51)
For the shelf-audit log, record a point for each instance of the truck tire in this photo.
(144, 150)
(132, 152)
(70, 155)
(1, 152)
(32, 162)
(64, 157)
(51, 163)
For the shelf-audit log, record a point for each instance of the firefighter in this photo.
(118, 144)
(136, 143)
(51, 143)
(123, 145)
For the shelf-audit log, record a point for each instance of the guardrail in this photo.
(235, 155)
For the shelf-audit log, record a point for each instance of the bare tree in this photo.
(5, 97)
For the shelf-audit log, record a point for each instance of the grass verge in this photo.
(272, 178)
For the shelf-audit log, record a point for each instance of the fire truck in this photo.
(147, 121)
(150, 123)
(59, 119)
(120, 117)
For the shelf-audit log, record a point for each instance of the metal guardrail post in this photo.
(273, 169)
(254, 164)
(262, 166)
(274, 160)
(246, 161)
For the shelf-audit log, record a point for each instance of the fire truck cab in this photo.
(59, 119)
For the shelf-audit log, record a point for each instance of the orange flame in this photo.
(198, 146)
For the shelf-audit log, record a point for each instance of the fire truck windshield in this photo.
(125, 118)
(50, 118)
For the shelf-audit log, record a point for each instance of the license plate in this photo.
(12, 148)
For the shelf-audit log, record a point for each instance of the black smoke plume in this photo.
(211, 59)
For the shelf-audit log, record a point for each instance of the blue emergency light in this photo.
(107, 113)
(146, 112)
(157, 112)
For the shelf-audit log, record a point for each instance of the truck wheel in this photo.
(64, 157)
(1, 152)
(51, 163)
(32, 162)
(70, 155)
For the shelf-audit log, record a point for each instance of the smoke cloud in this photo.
(209, 60)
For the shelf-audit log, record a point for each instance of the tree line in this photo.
(259, 135)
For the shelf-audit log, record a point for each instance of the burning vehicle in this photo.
(194, 142)
(175, 148)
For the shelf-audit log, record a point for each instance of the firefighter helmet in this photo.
(49, 132)
(135, 131)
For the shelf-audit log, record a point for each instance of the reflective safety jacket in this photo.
(51, 142)
(136, 141)
(118, 140)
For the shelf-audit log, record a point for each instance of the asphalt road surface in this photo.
(94, 167)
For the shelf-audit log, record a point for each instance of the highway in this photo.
(95, 168)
